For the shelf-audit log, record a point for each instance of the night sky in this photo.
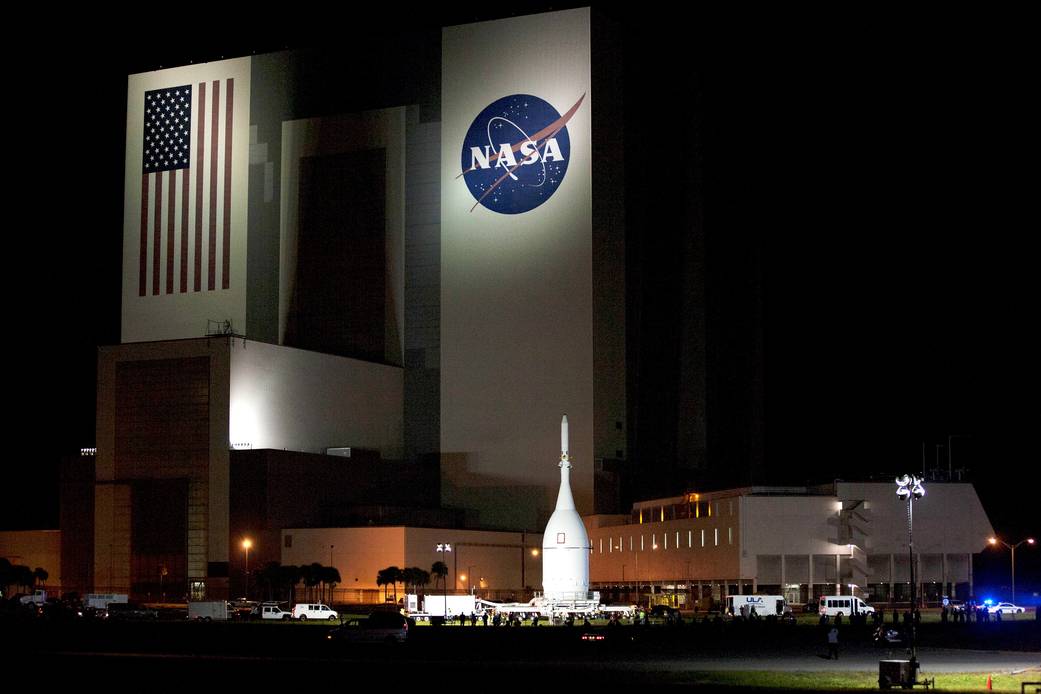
(864, 186)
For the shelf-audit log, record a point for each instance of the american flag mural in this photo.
(186, 177)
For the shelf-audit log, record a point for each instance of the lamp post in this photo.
(246, 544)
(910, 487)
(996, 541)
(443, 547)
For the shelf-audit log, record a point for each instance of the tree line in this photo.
(282, 582)
(413, 578)
(20, 576)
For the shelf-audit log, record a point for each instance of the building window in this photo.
(289, 541)
(690, 539)
(715, 533)
(630, 543)
(730, 536)
(677, 539)
(731, 507)
(641, 543)
(602, 547)
(702, 537)
(560, 538)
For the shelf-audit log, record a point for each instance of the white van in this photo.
(845, 605)
(764, 605)
(314, 611)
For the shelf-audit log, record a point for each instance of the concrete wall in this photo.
(517, 294)
(360, 553)
(208, 478)
(790, 526)
(313, 137)
(150, 315)
(708, 549)
(305, 401)
(948, 519)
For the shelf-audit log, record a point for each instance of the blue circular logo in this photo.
(516, 153)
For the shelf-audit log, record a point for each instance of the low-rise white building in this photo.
(493, 564)
(800, 542)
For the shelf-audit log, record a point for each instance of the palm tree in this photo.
(6, 575)
(330, 577)
(440, 571)
(23, 577)
(381, 580)
(40, 576)
(270, 577)
(408, 577)
(420, 578)
(394, 575)
(314, 577)
(289, 576)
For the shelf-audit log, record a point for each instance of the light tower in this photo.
(565, 543)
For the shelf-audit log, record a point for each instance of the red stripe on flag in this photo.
(142, 285)
(226, 250)
(170, 209)
(157, 232)
(201, 137)
(212, 278)
(184, 230)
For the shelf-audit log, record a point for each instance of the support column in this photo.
(972, 593)
(838, 574)
(943, 570)
(809, 596)
(892, 581)
(784, 578)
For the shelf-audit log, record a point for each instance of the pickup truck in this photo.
(269, 610)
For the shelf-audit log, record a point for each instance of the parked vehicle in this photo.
(208, 610)
(764, 605)
(845, 605)
(314, 610)
(378, 627)
(450, 606)
(131, 611)
(1005, 608)
(101, 601)
(37, 597)
(270, 610)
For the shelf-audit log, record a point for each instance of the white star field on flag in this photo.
(167, 131)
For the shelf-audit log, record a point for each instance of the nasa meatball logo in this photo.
(516, 153)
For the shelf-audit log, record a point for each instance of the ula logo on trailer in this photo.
(516, 153)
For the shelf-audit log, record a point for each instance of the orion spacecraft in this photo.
(565, 543)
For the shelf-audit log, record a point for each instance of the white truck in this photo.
(208, 610)
(450, 606)
(37, 597)
(764, 605)
(101, 601)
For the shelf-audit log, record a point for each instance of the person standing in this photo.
(833, 643)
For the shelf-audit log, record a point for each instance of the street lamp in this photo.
(995, 541)
(910, 487)
(246, 544)
(443, 547)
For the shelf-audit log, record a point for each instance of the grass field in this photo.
(859, 681)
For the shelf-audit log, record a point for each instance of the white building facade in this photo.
(795, 541)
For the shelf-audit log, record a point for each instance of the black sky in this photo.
(868, 209)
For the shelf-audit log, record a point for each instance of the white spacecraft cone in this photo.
(565, 543)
